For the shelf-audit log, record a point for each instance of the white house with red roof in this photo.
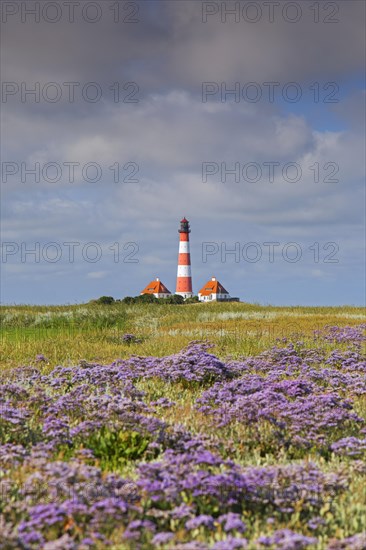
(157, 288)
(213, 291)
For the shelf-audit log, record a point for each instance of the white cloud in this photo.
(97, 274)
(170, 133)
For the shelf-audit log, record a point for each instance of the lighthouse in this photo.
(184, 277)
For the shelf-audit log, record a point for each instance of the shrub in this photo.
(104, 300)
(173, 299)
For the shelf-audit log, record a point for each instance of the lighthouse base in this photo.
(185, 294)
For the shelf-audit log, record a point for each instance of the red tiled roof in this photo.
(155, 287)
(212, 287)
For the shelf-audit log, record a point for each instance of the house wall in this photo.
(214, 297)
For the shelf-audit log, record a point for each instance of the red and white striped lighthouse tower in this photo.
(184, 277)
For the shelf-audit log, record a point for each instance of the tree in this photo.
(174, 299)
(104, 300)
(146, 299)
(128, 300)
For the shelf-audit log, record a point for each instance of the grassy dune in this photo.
(66, 334)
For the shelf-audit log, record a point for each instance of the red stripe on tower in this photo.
(184, 277)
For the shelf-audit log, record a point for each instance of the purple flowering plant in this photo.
(91, 458)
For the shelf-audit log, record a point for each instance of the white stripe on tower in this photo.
(184, 278)
(184, 247)
(184, 271)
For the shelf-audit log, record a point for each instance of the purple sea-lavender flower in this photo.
(285, 539)
(162, 538)
(40, 358)
(230, 543)
(231, 522)
(199, 521)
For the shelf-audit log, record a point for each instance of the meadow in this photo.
(182, 427)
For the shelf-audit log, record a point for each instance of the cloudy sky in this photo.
(120, 118)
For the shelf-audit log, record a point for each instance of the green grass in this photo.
(67, 334)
